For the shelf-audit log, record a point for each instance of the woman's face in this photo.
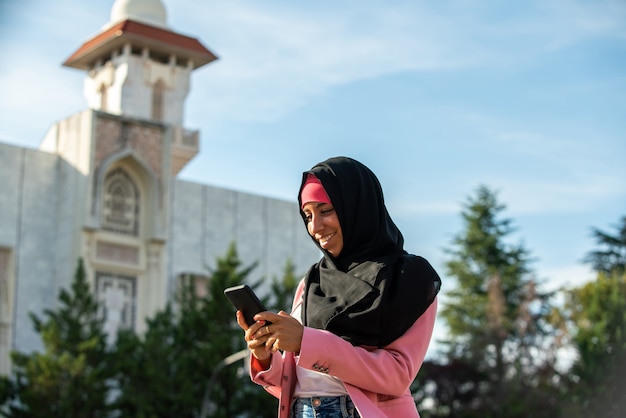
(323, 225)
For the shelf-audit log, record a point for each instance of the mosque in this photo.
(103, 186)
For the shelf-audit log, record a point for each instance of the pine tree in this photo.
(230, 387)
(8, 396)
(71, 377)
(598, 312)
(496, 317)
(283, 289)
(176, 367)
(610, 256)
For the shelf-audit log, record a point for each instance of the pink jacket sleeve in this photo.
(269, 379)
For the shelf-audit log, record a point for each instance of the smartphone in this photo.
(245, 300)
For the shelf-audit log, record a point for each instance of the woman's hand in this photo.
(284, 333)
(256, 345)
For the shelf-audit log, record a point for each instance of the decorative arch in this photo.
(126, 189)
(121, 204)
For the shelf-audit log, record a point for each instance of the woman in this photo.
(362, 317)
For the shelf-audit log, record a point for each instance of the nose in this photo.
(315, 224)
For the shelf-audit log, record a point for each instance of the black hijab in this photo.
(374, 290)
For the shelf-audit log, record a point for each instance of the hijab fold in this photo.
(374, 290)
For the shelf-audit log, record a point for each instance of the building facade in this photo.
(103, 187)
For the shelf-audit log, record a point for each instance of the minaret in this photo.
(123, 154)
(137, 67)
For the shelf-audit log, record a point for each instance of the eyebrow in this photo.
(319, 204)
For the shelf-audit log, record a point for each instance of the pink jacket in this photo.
(377, 380)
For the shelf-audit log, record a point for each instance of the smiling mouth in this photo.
(323, 241)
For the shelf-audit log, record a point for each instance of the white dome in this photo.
(146, 11)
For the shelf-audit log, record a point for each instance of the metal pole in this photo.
(206, 402)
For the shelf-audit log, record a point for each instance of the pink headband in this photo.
(313, 191)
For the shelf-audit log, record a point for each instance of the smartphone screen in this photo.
(245, 300)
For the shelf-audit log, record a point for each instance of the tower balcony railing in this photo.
(186, 138)
(185, 146)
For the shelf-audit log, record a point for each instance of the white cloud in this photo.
(275, 60)
(32, 100)
(521, 196)
(567, 276)
(581, 19)
(404, 207)
(550, 196)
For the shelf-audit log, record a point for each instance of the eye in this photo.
(307, 217)
(328, 211)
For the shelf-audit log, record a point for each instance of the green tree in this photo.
(596, 315)
(496, 316)
(175, 368)
(283, 289)
(232, 393)
(71, 377)
(170, 370)
(8, 395)
(147, 371)
(611, 255)
(598, 312)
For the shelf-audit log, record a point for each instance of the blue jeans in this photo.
(324, 407)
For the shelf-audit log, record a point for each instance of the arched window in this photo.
(157, 100)
(120, 203)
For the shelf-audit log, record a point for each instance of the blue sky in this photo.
(528, 98)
